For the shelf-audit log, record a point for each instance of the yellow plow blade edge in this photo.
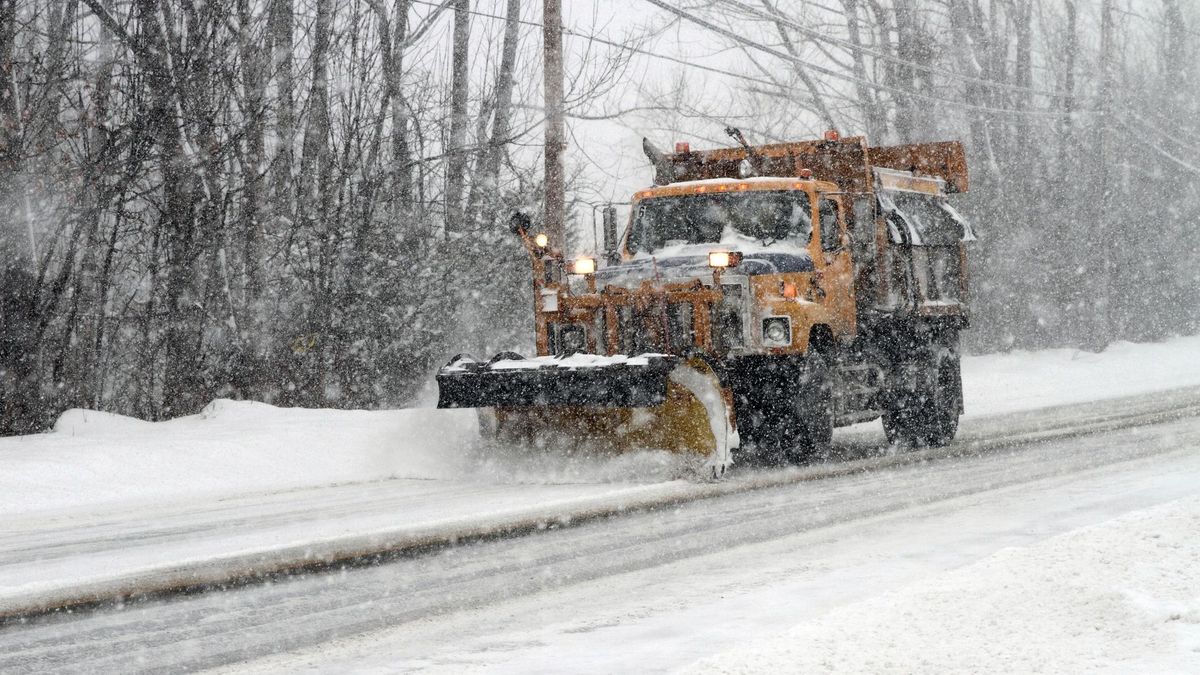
(694, 418)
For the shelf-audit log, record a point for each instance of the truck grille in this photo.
(681, 332)
(672, 331)
(727, 325)
(650, 329)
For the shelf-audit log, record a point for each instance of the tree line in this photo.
(304, 201)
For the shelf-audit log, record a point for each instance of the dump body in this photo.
(862, 175)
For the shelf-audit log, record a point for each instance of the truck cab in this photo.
(777, 248)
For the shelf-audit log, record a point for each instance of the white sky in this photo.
(609, 152)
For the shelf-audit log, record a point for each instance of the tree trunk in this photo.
(254, 165)
(1102, 243)
(485, 188)
(12, 247)
(177, 222)
(315, 197)
(552, 84)
(456, 160)
(874, 117)
(908, 117)
(281, 28)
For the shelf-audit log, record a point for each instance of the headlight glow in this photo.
(541, 240)
(584, 265)
(723, 259)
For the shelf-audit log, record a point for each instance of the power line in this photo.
(1160, 22)
(1002, 58)
(742, 77)
(850, 78)
(773, 84)
(617, 45)
(778, 54)
(846, 44)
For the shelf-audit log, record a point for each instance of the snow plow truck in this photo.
(758, 297)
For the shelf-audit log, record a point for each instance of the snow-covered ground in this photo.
(1120, 596)
(94, 459)
(106, 502)
(1052, 558)
(1000, 383)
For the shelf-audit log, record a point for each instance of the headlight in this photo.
(777, 331)
(584, 265)
(541, 240)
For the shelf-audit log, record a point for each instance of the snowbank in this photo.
(230, 447)
(994, 384)
(1122, 596)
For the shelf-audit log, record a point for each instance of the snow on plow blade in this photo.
(613, 403)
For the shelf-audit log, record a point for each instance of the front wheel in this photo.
(813, 408)
(789, 417)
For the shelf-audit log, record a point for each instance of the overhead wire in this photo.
(626, 47)
(841, 12)
(851, 78)
(610, 43)
(774, 52)
(771, 84)
(846, 44)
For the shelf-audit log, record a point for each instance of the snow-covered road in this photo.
(648, 591)
(654, 574)
(51, 560)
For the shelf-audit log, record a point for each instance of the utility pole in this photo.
(552, 69)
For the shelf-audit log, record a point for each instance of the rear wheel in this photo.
(928, 416)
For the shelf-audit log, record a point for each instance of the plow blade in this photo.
(606, 403)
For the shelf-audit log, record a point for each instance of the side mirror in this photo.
(519, 222)
(611, 254)
(831, 235)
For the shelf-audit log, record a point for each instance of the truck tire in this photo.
(928, 417)
(770, 434)
(813, 408)
(791, 420)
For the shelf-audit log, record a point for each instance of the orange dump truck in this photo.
(758, 297)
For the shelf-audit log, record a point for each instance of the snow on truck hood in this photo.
(688, 260)
(691, 260)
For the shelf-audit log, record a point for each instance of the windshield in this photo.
(768, 217)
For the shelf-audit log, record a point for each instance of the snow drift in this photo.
(230, 447)
(237, 447)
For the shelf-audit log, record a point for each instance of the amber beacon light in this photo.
(584, 265)
(723, 259)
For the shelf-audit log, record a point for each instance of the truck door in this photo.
(835, 265)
